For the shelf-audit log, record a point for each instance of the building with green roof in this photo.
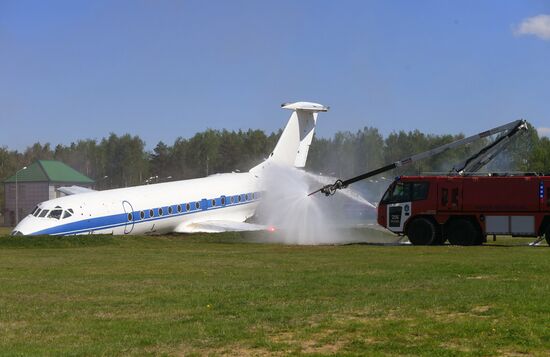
(37, 183)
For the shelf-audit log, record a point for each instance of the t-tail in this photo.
(293, 145)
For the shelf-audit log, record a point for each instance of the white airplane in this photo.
(217, 203)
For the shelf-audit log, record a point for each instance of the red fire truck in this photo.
(465, 209)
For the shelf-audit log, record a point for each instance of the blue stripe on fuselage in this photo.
(121, 219)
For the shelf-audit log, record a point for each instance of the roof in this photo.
(50, 171)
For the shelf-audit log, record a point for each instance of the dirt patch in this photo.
(481, 309)
(455, 346)
(12, 325)
(312, 346)
(323, 342)
(449, 316)
(228, 351)
(516, 354)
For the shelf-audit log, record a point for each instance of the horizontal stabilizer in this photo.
(218, 227)
(305, 106)
(73, 190)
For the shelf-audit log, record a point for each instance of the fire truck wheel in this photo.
(463, 232)
(421, 231)
(547, 235)
(439, 237)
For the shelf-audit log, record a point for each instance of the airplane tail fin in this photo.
(293, 145)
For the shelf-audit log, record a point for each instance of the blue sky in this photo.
(161, 69)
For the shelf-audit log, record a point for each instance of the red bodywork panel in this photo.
(478, 196)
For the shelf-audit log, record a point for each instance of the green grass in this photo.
(222, 294)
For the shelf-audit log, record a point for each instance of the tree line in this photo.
(121, 161)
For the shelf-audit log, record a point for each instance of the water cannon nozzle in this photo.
(330, 190)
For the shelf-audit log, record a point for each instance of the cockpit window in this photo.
(66, 214)
(34, 210)
(43, 213)
(406, 191)
(398, 192)
(37, 212)
(56, 213)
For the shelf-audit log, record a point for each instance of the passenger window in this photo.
(151, 213)
(179, 209)
(129, 216)
(444, 197)
(160, 211)
(213, 203)
(170, 211)
(223, 201)
(142, 215)
(44, 213)
(187, 207)
(197, 205)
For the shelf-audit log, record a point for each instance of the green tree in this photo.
(539, 160)
(126, 163)
(160, 161)
(369, 153)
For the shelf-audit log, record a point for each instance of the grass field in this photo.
(222, 294)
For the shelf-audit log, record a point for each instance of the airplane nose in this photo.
(21, 229)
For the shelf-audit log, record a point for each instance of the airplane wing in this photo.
(73, 190)
(219, 226)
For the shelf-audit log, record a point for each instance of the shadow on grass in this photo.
(80, 241)
(487, 246)
(55, 241)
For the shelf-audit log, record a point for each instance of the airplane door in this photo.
(128, 210)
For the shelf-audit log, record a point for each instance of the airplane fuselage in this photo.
(148, 209)
(215, 203)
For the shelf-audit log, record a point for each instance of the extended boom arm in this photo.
(472, 164)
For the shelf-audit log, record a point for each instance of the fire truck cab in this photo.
(430, 210)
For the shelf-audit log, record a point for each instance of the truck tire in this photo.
(439, 237)
(421, 231)
(547, 234)
(463, 232)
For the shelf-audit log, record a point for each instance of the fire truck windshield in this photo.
(400, 191)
